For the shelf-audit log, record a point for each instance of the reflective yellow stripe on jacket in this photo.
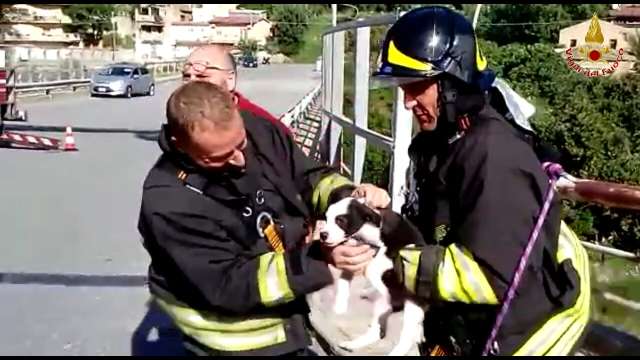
(324, 188)
(226, 333)
(240, 333)
(272, 280)
(460, 278)
(410, 261)
(560, 333)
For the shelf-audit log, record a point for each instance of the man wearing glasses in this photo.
(213, 63)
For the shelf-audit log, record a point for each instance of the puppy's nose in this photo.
(324, 235)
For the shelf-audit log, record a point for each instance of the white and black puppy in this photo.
(350, 220)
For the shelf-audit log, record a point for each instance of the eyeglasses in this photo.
(200, 67)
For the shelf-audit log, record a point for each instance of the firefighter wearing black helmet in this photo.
(479, 187)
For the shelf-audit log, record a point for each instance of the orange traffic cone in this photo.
(69, 142)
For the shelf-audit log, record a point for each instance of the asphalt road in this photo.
(71, 263)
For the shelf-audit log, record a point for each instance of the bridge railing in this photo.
(293, 115)
(334, 121)
(159, 69)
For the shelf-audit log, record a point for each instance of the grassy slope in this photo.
(621, 278)
(312, 41)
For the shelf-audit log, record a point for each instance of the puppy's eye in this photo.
(341, 221)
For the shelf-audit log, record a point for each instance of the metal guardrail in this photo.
(333, 53)
(52, 84)
(611, 251)
(292, 116)
(171, 66)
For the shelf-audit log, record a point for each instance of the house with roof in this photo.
(240, 24)
(613, 37)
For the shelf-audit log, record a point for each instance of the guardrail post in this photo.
(337, 86)
(361, 101)
(326, 95)
(402, 133)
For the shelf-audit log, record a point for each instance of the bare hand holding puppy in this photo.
(355, 258)
(375, 197)
(351, 258)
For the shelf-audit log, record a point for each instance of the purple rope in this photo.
(553, 171)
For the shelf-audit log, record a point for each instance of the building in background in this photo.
(206, 12)
(142, 32)
(184, 33)
(241, 24)
(150, 31)
(35, 25)
(627, 15)
(615, 37)
(174, 30)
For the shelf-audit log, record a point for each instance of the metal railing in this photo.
(292, 116)
(332, 100)
(157, 68)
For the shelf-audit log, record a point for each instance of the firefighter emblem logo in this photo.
(594, 58)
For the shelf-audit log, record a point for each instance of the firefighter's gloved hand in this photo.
(374, 196)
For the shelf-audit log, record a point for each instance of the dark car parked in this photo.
(250, 61)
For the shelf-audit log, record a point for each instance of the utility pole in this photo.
(114, 35)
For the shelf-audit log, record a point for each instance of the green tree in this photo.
(634, 43)
(248, 46)
(90, 21)
(290, 22)
(126, 10)
(122, 42)
(531, 23)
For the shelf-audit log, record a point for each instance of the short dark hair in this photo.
(198, 101)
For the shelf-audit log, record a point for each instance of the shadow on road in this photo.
(156, 335)
(73, 279)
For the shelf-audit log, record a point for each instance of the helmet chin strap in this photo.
(447, 95)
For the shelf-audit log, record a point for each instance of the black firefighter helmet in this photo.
(429, 41)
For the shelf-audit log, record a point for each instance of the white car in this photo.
(123, 79)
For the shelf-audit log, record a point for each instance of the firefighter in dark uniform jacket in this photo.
(479, 188)
(225, 213)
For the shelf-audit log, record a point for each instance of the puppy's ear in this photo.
(367, 214)
(339, 194)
